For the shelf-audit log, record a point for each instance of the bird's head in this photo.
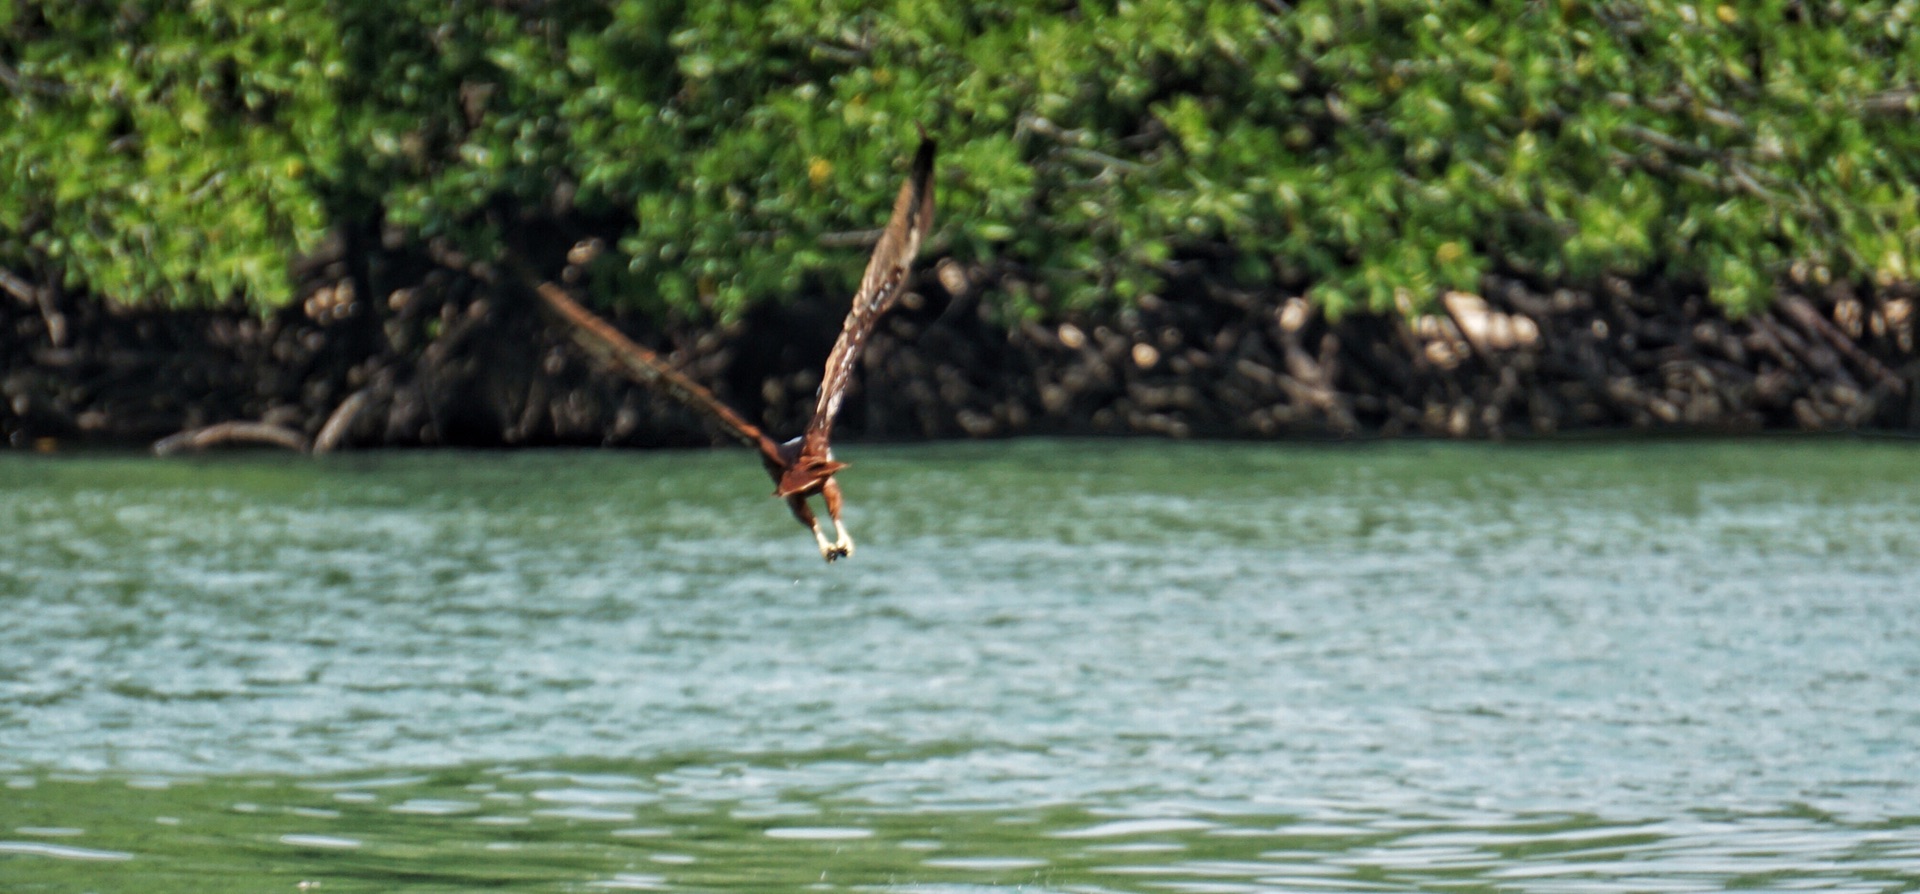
(801, 473)
(807, 476)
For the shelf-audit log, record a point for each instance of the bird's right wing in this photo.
(880, 287)
(648, 368)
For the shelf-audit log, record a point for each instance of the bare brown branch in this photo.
(339, 421)
(198, 439)
(17, 286)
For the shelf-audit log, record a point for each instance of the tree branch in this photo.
(197, 439)
(1889, 102)
(19, 85)
(337, 423)
(17, 286)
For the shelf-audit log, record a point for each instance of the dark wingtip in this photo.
(923, 159)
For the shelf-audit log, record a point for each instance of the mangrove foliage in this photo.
(1367, 153)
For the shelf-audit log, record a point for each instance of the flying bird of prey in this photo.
(803, 467)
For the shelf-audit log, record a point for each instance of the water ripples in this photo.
(1109, 668)
(461, 826)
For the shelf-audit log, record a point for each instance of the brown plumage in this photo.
(804, 466)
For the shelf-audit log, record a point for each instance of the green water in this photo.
(1051, 666)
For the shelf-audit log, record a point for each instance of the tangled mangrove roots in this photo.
(443, 357)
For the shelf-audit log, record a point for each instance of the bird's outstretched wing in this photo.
(880, 287)
(650, 369)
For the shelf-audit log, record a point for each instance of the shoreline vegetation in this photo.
(453, 360)
(248, 222)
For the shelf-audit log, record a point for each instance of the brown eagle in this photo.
(804, 466)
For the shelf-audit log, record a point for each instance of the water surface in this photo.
(1055, 666)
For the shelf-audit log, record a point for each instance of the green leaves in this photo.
(158, 150)
(1374, 153)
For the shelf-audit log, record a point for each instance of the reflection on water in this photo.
(1053, 666)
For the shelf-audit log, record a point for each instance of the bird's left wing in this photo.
(880, 287)
(602, 340)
